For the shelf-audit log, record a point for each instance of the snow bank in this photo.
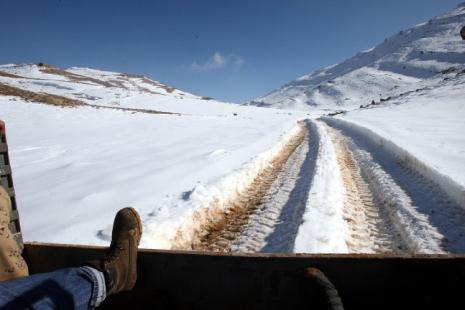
(175, 222)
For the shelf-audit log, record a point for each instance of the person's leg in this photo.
(71, 288)
(84, 287)
(12, 264)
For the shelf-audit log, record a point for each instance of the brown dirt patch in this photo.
(72, 76)
(149, 81)
(45, 98)
(56, 100)
(132, 110)
(146, 80)
(161, 85)
(127, 77)
(45, 68)
(10, 75)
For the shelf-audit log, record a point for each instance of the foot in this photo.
(119, 265)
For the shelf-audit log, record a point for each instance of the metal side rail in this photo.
(7, 184)
(202, 280)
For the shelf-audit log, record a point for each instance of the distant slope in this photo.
(84, 86)
(393, 67)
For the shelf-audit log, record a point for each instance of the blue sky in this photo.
(230, 50)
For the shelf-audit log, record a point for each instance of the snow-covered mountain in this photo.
(396, 66)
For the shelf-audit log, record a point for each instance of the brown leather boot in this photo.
(119, 265)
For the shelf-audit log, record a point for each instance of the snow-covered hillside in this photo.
(397, 65)
(102, 88)
(85, 143)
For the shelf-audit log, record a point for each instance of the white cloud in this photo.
(218, 61)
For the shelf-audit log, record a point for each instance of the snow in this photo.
(205, 200)
(428, 126)
(416, 203)
(323, 229)
(393, 194)
(75, 167)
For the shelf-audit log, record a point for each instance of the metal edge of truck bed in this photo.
(206, 280)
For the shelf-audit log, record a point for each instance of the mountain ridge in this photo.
(394, 66)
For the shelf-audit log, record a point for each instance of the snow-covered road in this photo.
(336, 190)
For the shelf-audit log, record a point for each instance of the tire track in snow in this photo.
(370, 229)
(220, 234)
(274, 225)
(422, 216)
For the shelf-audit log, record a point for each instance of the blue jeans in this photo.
(70, 288)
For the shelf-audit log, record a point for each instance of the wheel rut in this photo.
(219, 235)
(403, 211)
(273, 227)
(369, 227)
